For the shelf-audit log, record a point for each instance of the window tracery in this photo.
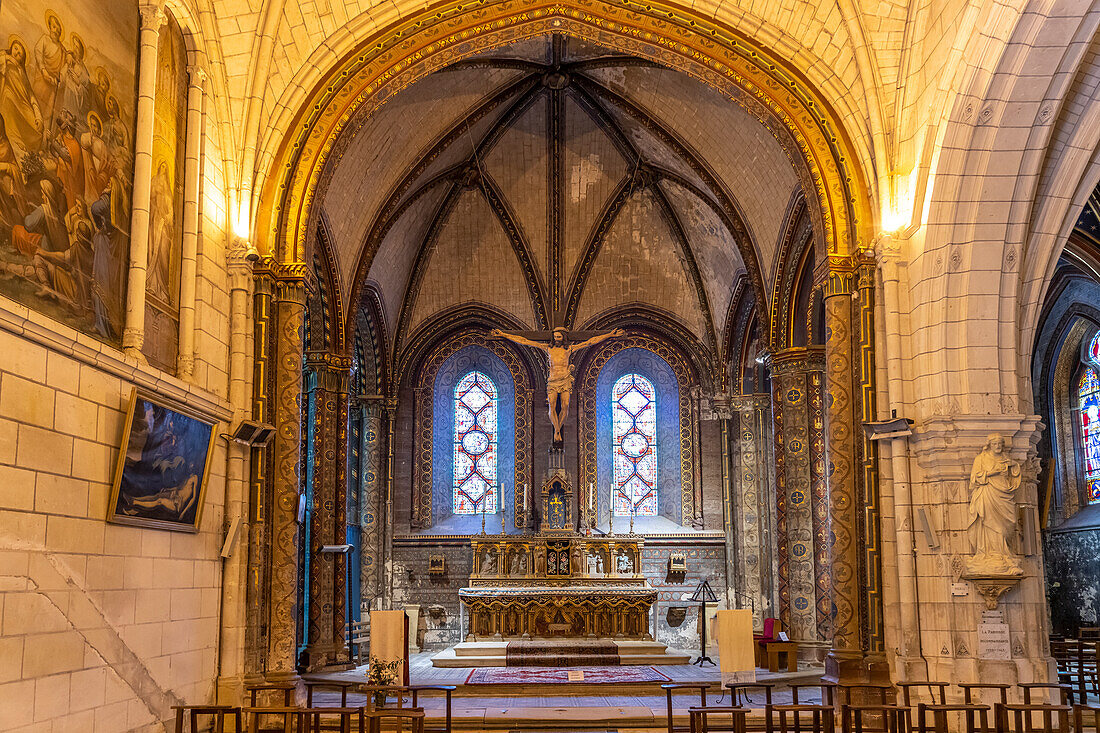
(634, 438)
(1088, 395)
(475, 444)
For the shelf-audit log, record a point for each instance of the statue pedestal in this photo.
(992, 586)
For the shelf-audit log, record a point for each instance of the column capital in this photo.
(290, 279)
(196, 75)
(152, 16)
(239, 262)
(887, 249)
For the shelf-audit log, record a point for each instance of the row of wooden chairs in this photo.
(869, 707)
(291, 719)
(271, 708)
(1078, 663)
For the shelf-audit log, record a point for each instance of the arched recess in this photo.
(792, 306)
(667, 34)
(435, 355)
(588, 392)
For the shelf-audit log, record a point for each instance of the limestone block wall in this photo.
(412, 584)
(104, 627)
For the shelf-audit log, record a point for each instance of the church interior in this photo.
(527, 365)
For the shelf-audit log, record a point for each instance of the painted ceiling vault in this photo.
(556, 181)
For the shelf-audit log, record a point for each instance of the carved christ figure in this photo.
(559, 386)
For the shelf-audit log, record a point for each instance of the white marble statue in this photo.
(994, 479)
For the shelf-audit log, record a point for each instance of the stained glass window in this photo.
(1088, 391)
(1094, 349)
(634, 420)
(475, 455)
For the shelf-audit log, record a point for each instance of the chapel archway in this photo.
(837, 208)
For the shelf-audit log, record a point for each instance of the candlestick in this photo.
(631, 515)
(483, 497)
(500, 492)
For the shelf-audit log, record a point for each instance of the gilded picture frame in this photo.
(163, 466)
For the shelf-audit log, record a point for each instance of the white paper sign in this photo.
(575, 675)
(993, 641)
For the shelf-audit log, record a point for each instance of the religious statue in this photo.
(994, 479)
(559, 386)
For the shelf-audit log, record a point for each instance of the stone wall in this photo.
(438, 629)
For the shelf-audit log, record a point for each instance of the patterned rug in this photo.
(579, 653)
(538, 675)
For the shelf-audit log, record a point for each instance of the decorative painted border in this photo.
(425, 401)
(586, 409)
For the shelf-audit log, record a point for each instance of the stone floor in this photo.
(606, 707)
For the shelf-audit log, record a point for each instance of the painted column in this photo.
(236, 566)
(192, 171)
(754, 513)
(290, 303)
(261, 487)
(845, 659)
(133, 335)
(796, 402)
(340, 515)
(370, 504)
(871, 501)
(328, 375)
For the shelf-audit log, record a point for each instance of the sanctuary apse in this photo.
(530, 319)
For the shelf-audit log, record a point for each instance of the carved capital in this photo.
(152, 17)
(196, 75)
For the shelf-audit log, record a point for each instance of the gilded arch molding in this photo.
(667, 34)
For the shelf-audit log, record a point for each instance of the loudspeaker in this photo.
(926, 527)
(252, 433)
(231, 537)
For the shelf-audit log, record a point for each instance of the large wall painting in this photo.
(67, 100)
(162, 284)
(163, 466)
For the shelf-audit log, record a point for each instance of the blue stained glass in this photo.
(634, 436)
(475, 445)
(1088, 391)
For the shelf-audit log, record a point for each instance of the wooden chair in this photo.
(287, 688)
(894, 718)
(803, 718)
(348, 720)
(341, 686)
(740, 690)
(937, 691)
(1077, 667)
(357, 636)
(414, 717)
(217, 713)
(969, 688)
(446, 690)
(828, 692)
(673, 687)
(867, 695)
(400, 692)
(1065, 691)
(772, 627)
(1082, 713)
(1014, 718)
(699, 718)
(934, 717)
(1089, 633)
(287, 719)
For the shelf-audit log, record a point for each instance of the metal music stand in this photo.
(704, 595)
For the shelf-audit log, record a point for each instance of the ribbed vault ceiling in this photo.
(555, 181)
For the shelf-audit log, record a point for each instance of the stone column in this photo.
(754, 512)
(844, 662)
(870, 499)
(340, 528)
(290, 302)
(192, 172)
(370, 503)
(804, 590)
(328, 375)
(235, 568)
(133, 335)
(261, 485)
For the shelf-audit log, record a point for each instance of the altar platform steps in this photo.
(494, 654)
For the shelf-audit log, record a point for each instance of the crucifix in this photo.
(558, 350)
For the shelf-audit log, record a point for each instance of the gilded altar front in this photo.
(546, 586)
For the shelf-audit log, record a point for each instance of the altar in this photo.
(554, 587)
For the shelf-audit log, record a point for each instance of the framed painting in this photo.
(163, 466)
